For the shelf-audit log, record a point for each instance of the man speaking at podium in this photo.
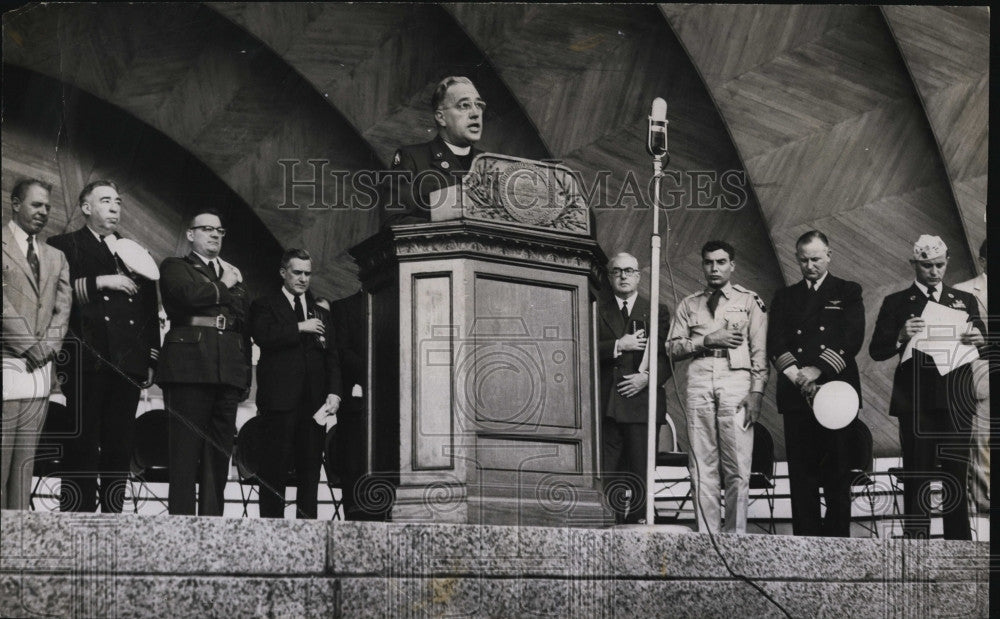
(442, 162)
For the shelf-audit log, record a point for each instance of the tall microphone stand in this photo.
(653, 341)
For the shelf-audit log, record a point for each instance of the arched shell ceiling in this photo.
(869, 124)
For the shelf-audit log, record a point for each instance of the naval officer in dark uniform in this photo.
(817, 328)
(204, 365)
(423, 168)
(114, 341)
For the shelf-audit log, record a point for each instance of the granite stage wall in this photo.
(179, 566)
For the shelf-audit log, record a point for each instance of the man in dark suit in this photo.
(442, 162)
(817, 328)
(622, 341)
(204, 366)
(36, 308)
(115, 332)
(935, 412)
(298, 372)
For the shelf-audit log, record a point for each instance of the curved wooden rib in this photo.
(219, 94)
(947, 51)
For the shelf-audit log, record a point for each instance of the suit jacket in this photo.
(117, 330)
(610, 327)
(34, 312)
(977, 288)
(916, 383)
(202, 354)
(405, 200)
(349, 316)
(293, 365)
(825, 329)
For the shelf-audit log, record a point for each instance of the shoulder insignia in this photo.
(756, 298)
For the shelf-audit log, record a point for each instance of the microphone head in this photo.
(659, 111)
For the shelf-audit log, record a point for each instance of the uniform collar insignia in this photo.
(835, 301)
(958, 304)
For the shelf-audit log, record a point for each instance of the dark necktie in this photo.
(625, 312)
(33, 260)
(713, 301)
(299, 310)
(215, 268)
(930, 293)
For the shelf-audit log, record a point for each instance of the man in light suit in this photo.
(458, 114)
(204, 366)
(723, 330)
(622, 342)
(36, 306)
(298, 372)
(115, 330)
(979, 466)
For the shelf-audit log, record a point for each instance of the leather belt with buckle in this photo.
(719, 353)
(215, 322)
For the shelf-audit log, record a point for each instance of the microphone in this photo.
(656, 138)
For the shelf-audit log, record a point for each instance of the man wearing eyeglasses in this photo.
(204, 365)
(458, 114)
(115, 331)
(723, 329)
(622, 342)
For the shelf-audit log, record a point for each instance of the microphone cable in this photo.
(694, 494)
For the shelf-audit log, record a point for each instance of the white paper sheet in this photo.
(940, 338)
(19, 384)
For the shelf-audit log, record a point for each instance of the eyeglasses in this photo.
(629, 272)
(210, 229)
(465, 106)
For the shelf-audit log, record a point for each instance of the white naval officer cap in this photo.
(929, 247)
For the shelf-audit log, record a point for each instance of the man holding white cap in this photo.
(934, 411)
(817, 328)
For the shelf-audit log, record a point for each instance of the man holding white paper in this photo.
(298, 385)
(933, 394)
(36, 306)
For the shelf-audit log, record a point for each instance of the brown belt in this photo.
(219, 322)
(719, 353)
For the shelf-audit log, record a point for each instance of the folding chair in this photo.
(150, 454)
(251, 441)
(670, 458)
(333, 479)
(51, 451)
(860, 468)
(762, 468)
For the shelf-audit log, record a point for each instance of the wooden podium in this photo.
(481, 353)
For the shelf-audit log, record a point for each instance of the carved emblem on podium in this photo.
(530, 193)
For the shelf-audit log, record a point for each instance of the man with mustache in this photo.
(115, 336)
(36, 306)
(458, 113)
(204, 366)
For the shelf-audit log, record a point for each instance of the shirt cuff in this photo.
(791, 372)
(617, 353)
(757, 385)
